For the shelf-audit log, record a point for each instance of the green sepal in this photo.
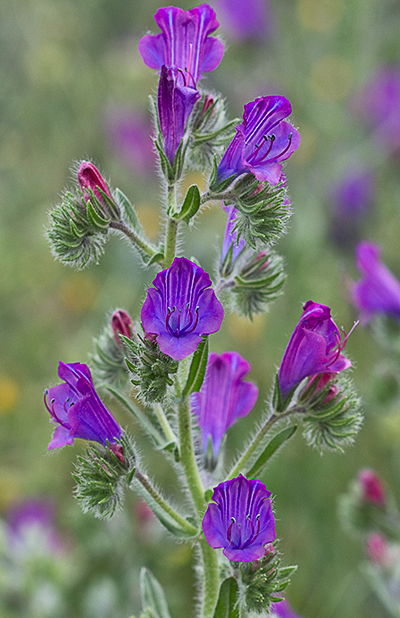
(208, 494)
(277, 399)
(165, 164)
(227, 604)
(197, 368)
(199, 138)
(179, 161)
(277, 441)
(95, 219)
(152, 594)
(170, 524)
(190, 205)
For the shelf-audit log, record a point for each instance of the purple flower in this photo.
(223, 397)
(77, 410)
(89, 177)
(352, 197)
(378, 291)
(184, 43)
(314, 347)
(33, 518)
(230, 237)
(244, 20)
(282, 609)
(175, 104)
(262, 141)
(379, 103)
(129, 132)
(240, 519)
(181, 308)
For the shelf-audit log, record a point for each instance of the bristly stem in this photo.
(135, 238)
(181, 521)
(171, 228)
(166, 427)
(255, 443)
(209, 555)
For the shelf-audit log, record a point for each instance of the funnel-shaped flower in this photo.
(89, 177)
(223, 397)
(378, 291)
(262, 141)
(240, 519)
(77, 410)
(175, 104)
(184, 43)
(180, 308)
(314, 347)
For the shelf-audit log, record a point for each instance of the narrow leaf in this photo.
(130, 212)
(190, 205)
(271, 448)
(152, 594)
(197, 368)
(227, 605)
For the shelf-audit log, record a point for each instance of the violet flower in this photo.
(129, 133)
(262, 141)
(314, 347)
(33, 519)
(184, 43)
(282, 609)
(175, 104)
(378, 290)
(223, 397)
(351, 198)
(230, 236)
(240, 520)
(244, 21)
(77, 410)
(181, 308)
(89, 177)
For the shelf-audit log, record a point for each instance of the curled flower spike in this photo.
(77, 410)
(181, 308)
(223, 397)
(89, 177)
(184, 43)
(378, 290)
(262, 141)
(240, 520)
(315, 347)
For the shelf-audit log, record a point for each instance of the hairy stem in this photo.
(181, 521)
(211, 578)
(171, 228)
(135, 238)
(166, 427)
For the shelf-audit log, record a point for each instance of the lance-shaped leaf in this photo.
(197, 368)
(227, 605)
(277, 441)
(190, 205)
(152, 594)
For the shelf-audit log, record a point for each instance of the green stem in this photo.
(166, 427)
(171, 229)
(183, 523)
(188, 458)
(135, 238)
(209, 555)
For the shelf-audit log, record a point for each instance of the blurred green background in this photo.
(73, 86)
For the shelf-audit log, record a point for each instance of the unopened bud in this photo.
(89, 178)
(121, 324)
(377, 548)
(372, 487)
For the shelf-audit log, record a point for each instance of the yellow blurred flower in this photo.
(79, 292)
(8, 394)
(243, 329)
(320, 15)
(331, 78)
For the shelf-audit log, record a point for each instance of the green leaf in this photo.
(197, 368)
(137, 413)
(227, 605)
(271, 448)
(190, 205)
(277, 396)
(152, 594)
(130, 212)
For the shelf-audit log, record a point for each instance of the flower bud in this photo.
(372, 488)
(90, 179)
(121, 324)
(377, 548)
